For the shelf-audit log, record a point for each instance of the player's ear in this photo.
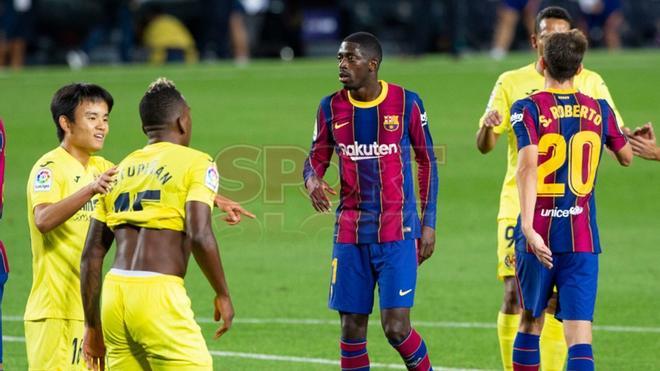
(580, 69)
(64, 123)
(542, 64)
(533, 41)
(373, 65)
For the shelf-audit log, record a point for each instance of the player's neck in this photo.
(166, 137)
(555, 85)
(368, 92)
(78, 153)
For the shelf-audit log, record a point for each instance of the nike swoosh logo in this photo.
(404, 293)
(339, 126)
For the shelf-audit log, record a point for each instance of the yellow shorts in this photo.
(148, 323)
(54, 344)
(506, 248)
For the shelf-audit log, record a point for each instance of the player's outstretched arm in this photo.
(205, 250)
(99, 240)
(526, 177)
(486, 137)
(49, 216)
(233, 209)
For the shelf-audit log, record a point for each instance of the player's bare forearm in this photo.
(486, 139)
(204, 245)
(526, 175)
(98, 242)
(624, 155)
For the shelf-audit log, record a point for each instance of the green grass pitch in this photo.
(259, 121)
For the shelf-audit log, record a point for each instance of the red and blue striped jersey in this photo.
(570, 129)
(374, 141)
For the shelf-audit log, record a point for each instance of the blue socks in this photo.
(580, 358)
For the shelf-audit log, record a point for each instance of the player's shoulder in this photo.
(51, 160)
(100, 163)
(589, 75)
(192, 154)
(512, 76)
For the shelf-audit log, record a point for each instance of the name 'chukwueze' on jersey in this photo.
(153, 185)
(373, 141)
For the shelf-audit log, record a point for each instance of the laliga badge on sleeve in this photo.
(43, 181)
(212, 178)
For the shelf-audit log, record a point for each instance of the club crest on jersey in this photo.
(212, 178)
(43, 181)
(391, 122)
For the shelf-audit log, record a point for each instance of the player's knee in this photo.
(353, 327)
(510, 300)
(396, 331)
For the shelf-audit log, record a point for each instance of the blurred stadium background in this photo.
(113, 31)
(257, 121)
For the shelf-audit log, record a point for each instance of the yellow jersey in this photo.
(153, 185)
(56, 254)
(518, 84)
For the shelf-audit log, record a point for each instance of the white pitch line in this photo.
(329, 322)
(280, 358)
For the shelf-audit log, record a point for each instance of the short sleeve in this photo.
(614, 137)
(498, 101)
(524, 123)
(203, 181)
(45, 185)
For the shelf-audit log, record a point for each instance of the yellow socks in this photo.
(553, 345)
(507, 327)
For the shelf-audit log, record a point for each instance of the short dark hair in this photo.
(556, 12)
(69, 97)
(160, 105)
(563, 53)
(368, 43)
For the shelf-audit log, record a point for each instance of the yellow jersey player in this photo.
(159, 211)
(510, 87)
(61, 192)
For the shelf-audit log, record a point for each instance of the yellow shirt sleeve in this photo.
(100, 211)
(46, 185)
(203, 180)
(598, 89)
(498, 101)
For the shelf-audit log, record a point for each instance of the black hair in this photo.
(160, 105)
(368, 43)
(69, 97)
(556, 12)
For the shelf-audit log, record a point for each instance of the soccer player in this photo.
(4, 263)
(61, 192)
(379, 238)
(159, 211)
(511, 86)
(560, 134)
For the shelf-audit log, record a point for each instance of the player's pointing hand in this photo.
(223, 309)
(103, 184)
(233, 210)
(492, 119)
(316, 188)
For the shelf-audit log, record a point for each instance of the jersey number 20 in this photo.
(583, 156)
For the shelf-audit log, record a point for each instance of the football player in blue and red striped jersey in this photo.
(560, 134)
(375, 128)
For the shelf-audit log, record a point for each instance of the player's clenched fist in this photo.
(316, 188)
(492, 119)
(103, 184)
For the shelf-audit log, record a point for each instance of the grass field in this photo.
(278, 266)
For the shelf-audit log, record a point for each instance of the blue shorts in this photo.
(574, 274)
(356, 268)
(518, 5)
